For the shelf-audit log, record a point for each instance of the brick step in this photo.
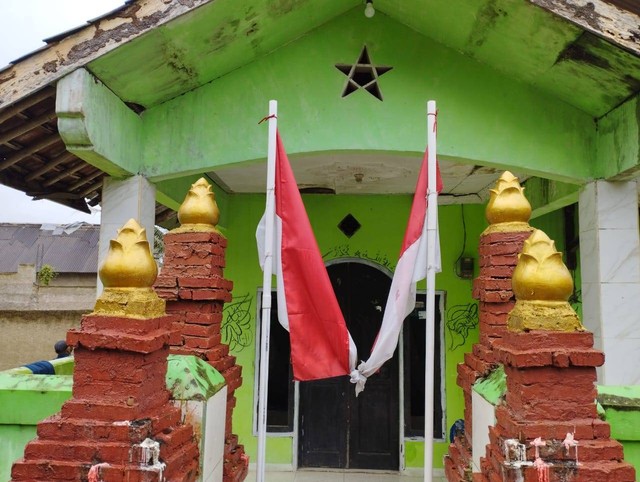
(48, 470)
(109, 411)
(60, 428)
(80, 451)
(236, 472)
(182, 463)
(459, 457)
(453, 473)
(588, 450)
(234, 455)
(588, 472)
(130, 473)
(592, 466)
(175, 437)
(583, 429)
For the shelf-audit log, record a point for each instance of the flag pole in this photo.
(431, 223)
(270, 211)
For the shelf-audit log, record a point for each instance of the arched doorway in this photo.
(336, 429)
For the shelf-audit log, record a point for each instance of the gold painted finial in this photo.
(508, 210)
(199, 211)
(129, 263)
(128, 273)
(542, 285)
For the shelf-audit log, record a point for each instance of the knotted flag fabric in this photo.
(411, 268)
(321, 346)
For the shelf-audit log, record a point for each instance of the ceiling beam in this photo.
(26, 103)
(29, 150)
(618, 26)
(27, 126)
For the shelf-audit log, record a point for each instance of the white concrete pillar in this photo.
(123, 199)
(610, 266)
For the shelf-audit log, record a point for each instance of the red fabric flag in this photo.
(321, 346)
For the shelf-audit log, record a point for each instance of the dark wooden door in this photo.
(336, 428)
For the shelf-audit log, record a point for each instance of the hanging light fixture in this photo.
(369, 11)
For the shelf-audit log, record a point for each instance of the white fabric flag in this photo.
(411, 268)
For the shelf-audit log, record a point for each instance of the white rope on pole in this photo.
(270, 213)
(431, 222)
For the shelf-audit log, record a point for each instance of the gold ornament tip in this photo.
(540, 273)
(137, 303)
(129, 262)
(507, 202)
(199, 207)
(529, 315)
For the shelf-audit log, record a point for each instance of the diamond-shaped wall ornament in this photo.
(363, 75)
(349, 225)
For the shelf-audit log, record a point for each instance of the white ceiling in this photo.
(360, 173)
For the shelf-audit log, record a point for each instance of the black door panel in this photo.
(336, 428)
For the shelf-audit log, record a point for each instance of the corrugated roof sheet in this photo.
(69, 249)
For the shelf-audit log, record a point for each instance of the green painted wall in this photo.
(24, 401)
(484, 116)
(383, 220)
(622, 411)
(619, 141)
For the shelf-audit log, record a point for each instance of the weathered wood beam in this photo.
(27, 151)
(65, 173)
(601, 18)
(79, 48)
(94, 187)
(85, 180)
(26, 103)
(27, 126)
(49, 165)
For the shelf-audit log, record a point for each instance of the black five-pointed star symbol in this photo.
(363, 75)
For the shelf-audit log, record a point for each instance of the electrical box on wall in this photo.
(465, 268)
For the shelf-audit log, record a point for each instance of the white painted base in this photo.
(208, 422)
(484, 416)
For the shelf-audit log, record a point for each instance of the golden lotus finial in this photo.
(541, 274)
(199, 211)
(508, 209)
(542, 285)
(129, 263)
(128, 272)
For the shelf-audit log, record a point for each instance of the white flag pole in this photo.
(432, 213)
(270, 213)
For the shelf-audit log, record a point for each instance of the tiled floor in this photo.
(309, 475)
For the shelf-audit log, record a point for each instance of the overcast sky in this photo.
(23, 25)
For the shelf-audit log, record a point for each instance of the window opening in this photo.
(414, 330)
(280, 396)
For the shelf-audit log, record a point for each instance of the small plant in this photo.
(46, 274)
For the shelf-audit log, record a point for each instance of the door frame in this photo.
(294, 434)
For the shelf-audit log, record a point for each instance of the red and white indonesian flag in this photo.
(411, 268)
(321, 346)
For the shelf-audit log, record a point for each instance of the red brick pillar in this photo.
(551, 392)
(492, 288)
(192, 283)
(508, 212)
(119, 424)
(550, 366)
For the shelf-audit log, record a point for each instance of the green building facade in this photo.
(174, 90)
